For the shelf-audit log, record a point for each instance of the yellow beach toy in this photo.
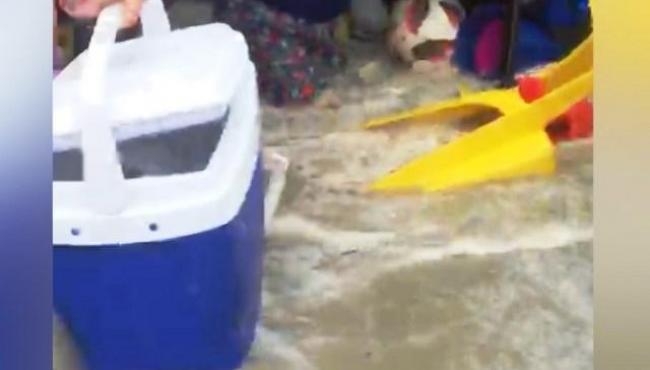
(514, 145)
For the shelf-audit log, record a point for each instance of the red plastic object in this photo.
(531, 88)
(576, 123)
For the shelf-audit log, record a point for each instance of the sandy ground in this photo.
(498, 276)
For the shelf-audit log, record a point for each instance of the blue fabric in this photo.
(551, 14)
(187, 303)
(469, 32)
(533, 46)
(566, 13)
(315, 11)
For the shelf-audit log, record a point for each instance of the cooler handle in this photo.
(103, 177)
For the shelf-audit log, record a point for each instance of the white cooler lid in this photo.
(161, 82)
(158, 84)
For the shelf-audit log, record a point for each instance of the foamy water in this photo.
(493, 277)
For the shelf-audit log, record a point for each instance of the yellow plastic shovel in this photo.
(580, 60)
(514, 145)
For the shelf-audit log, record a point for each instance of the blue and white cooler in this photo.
(158, 197)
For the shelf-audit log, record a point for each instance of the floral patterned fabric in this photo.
(294, 58)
